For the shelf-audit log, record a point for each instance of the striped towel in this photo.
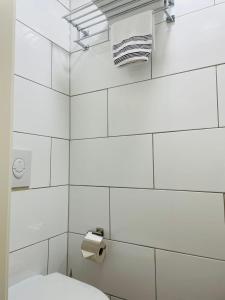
(132, 39)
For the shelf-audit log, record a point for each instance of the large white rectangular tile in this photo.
(128, 270)
(58, 254)
(219, 1)
(180, 221)
(183, 101)
(40, 147)
(60, 162)
(189, 43)
(46, 18)
(28, 262)
(94, 70)
(182, 277)
(121, 161)
(221, 93)
(37, 215)
(89, 209)
(32, 55)
(191, 160)
(60, 70)
(40, 110)
(89, 115)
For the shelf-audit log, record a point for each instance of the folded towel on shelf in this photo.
(132, 38)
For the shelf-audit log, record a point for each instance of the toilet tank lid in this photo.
(54, 287)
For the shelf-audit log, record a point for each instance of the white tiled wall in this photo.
(123, 162)
(28, 262)
(121, 274)
(58, 254)
(39, 215)
(32, 218)
(187, 277)
(147, 162)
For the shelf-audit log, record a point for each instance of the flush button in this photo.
(19, 168)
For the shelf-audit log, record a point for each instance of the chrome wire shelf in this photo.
(91, 15)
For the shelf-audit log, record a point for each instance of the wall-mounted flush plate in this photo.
(21, 168)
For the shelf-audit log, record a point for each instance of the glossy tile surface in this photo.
(38, 110)
(123, 161)
(180, 221)
(58, 254)
(89, 209)
(60, 69)
(184, 101)
(37, 215)
(46, 18)
(182, 277)
(28, 262)
(60, 162)
(96, 70)
(32, 55)
(89, 115)
(193, 160)
(193, 41)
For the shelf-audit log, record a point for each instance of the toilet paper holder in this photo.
(93, 246)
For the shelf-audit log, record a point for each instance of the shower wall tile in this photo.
(60, 162)
(178, 102)
(32, 55)
(193, 160)
(187, 277)
(60, 70)
(37, 215)
(89, 115)
(179, 221)
(221, 93)
(89, 209)
(128, 270)
(28, 262)
(41, 148)
(58, 254)
(123, 162)
(39, 110)
(46, 18)
(200, 46)
(94, 70)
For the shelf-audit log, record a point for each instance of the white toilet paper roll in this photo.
(93, 247)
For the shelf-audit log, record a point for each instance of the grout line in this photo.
(110, 221)
(40, 135)
(149, 79)
(157, 248)
(155, 262)
(107, 91)
(149, 189)
(48, 258)
(39, 242)
(51, 61)
(50, 179)
(224, 206)
(153, 162)
(149, 133)
(40, 84)
(43, 36)
(217, 97)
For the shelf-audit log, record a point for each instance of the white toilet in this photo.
(54, 287)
